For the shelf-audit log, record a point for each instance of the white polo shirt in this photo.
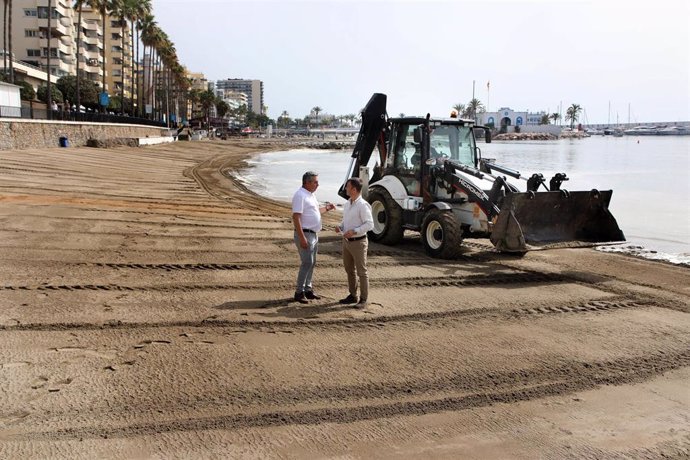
(304, 202)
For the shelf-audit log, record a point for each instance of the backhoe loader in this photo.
(430, 177)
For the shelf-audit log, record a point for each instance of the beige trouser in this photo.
(355, 262)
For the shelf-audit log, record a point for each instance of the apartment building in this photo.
(254, 89)
(30, 35)
(234, 99)
(30, 43)
(116, 45)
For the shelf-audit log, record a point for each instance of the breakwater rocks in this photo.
(525, 137)
(540, 136)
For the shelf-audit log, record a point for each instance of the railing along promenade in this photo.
(32, 113)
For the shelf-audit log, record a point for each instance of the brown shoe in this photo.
(362, 304)
(348, 300)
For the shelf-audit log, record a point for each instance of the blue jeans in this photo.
(308, 261)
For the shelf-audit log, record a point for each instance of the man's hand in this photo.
(349, 234)
(304, 243)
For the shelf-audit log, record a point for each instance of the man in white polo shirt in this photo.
(306, 218)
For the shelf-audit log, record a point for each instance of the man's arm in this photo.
(366, 218)
(297, 222)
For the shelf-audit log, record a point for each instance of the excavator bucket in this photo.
(554, 219)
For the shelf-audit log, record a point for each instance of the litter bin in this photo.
(63, 141)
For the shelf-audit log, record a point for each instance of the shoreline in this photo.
(633, 249)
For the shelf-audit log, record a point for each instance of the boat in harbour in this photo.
(673, 131)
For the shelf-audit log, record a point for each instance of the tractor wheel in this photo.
(387, 215)
(441, 234)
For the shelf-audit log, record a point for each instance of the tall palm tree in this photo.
(136, 9)
(105, 6)
(129, 10)
(50, 34)
(316, 111)
(148, 30)
(572, 114)
(555, 117)
(474, 107)
(79, 5)
(460, 109)
(7, 37)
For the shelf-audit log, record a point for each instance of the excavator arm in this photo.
(371, 132)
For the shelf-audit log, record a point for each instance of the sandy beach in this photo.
(146, 312)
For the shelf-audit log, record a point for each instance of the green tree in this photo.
(222, 108)
(555, 117)
(207, 100)
(55, 94)
(88, 91)
(26, 91)
(460, 109)
(544, 119)
(572, 114)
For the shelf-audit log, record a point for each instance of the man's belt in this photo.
(357, 238)
(306, 230)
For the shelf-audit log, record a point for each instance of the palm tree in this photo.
(207, 99)
(138, 10)
(49, 100)
(148, 30)
(79, 5)
(573, 114)
(105, 6)
(7, 35)
(555, 117)
(474, 107)
(130, 10)
(459, 108)
(316, 111)
(545, 119)
(222, 108)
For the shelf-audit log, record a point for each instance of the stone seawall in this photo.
(26, 134)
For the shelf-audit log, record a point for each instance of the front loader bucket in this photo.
(532, 220)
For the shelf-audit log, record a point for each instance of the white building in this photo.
(254, 89)
(507, 117)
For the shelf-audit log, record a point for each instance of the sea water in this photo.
(649, 176)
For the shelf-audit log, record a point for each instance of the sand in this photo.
(146, 312)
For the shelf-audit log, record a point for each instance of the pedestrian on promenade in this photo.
(357, 221)
(306, 218)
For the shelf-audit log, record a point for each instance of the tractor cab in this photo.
(417, 145)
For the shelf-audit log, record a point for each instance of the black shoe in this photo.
(300, 297)
(311, 296)
(349, 299)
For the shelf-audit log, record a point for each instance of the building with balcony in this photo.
(253, 89)
(115, 47)
(234, 99)
(110, 42)
(30, 35)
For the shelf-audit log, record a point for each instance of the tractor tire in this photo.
(387, 215)
(441, 235)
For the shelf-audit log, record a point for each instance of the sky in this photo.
(619, 60)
